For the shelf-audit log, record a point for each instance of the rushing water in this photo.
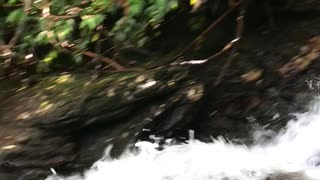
(294, 152)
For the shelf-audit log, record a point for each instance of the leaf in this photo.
(64, 28)
(78, 59)
(135, 9)
(43, 24)
(173, 4)
(98, 5)
(57, 6)
(12, 1)
(91, 22)
(82, 44)
(59, 23)
(95, 37)
(64, 33)
(51, 56)
(42, 38)
(15, 16)
(70, 22)
(192, 2)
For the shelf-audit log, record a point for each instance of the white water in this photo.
(295, 149)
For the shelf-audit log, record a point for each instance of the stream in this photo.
(294, 153)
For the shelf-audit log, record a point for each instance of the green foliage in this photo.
(91, 22)
(12, 1)
(41, 38)
(130, 28)
(83, 23)
(64, 28)
(15, 16)
(135, 7)
(43, 66)
(51, 56)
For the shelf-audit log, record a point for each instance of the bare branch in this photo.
(104, 59)
(234, 44)
(214, 24)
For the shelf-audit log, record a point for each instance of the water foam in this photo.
(295, 149)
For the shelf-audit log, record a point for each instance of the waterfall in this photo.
(294, 153)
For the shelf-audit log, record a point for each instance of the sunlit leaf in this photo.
(42, 38)
(135, 7)
(192, 2)
(66, 78)
(125, 23)
(70, 22)
(91, 22)
(51, 56)
(95, 37)
(12, 1)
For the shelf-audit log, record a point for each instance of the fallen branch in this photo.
(104, 59)
(214, 56)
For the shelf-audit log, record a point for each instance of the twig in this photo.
(125, 70)
(10, 5)
(104, 59)
(206, 31)
(108, 50)
(225, 49)
(203, 61)
(234, 44)
(93, 55)
(95, 60)
(55, 17)
(224, 69)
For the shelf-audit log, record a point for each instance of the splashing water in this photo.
(295, 150)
